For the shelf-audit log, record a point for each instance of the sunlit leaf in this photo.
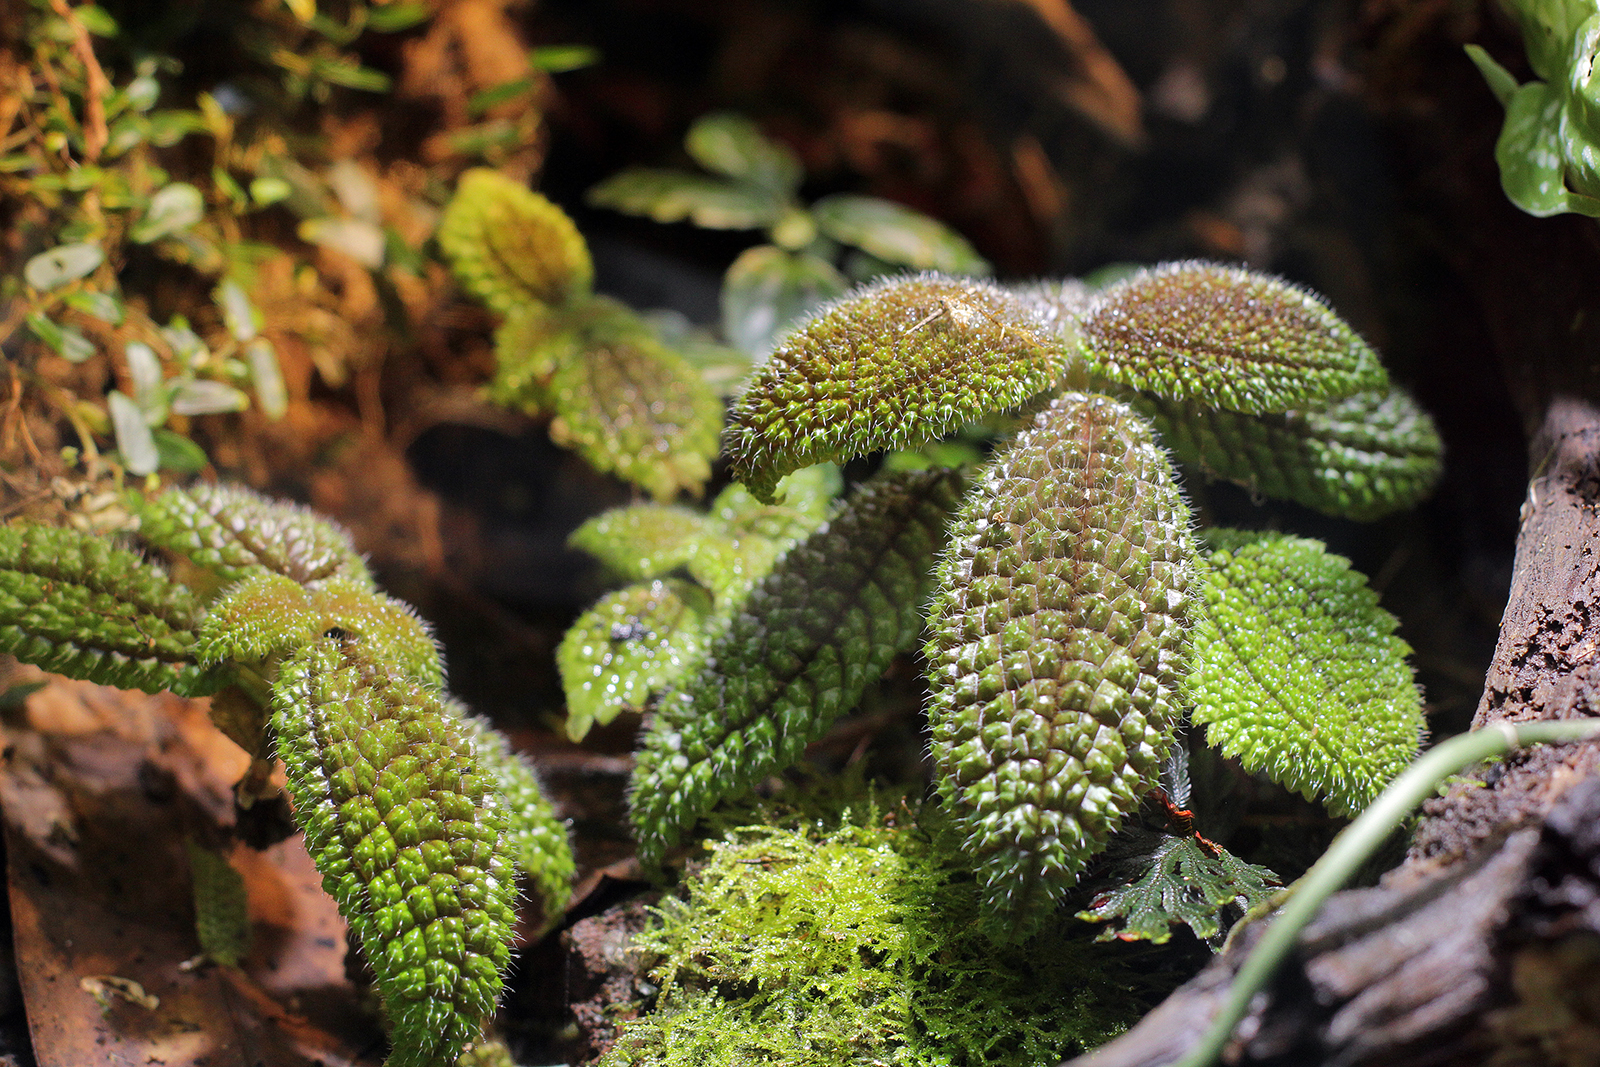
(1163, 880)
(897, 234)
(511, 246)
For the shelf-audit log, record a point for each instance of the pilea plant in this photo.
(629, 403)
(1073, 618)
(417, 815)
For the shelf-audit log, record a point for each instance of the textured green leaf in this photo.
(800, 651)
(1056, 647)
(511, 246)
(411, 836)
(537, 837)
(631, 644)
(895, 364)
(1361, 458)
(1296, 671)
(1060, 305)
(733, 146)
(232, 533)
(73, 603)
(1166, 880)
(1226, 337)
(897, 234)
(632, 406)
(641, 541)
(221, 915)
(268, 615)
(767, 288)
(675, 196)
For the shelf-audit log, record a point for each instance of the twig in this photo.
(96, 86)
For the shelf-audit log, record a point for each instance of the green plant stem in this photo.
(1352, 848)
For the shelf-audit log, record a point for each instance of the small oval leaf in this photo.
(511, 246)
(134, 441)
(768, 288)
(732, 145)
(897, 234)
(173, 209)
(62, 264)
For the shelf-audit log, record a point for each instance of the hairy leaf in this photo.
(1227, 338)
(73, 603)
(641, 541)
(1165, 880)
(893, 365)
(232, 533)
(1057, 638)
(511, 246)
(1296, 671)
(411, 835)
(268, 615)
(810, 638)
(537, 837)
(632, 643)
(674, 196)
(628, 403)
(1362, 457)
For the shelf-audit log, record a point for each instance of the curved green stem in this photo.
(1352, 848)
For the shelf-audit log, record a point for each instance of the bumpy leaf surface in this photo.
(411, 836)
(1057, 638)
(641, 541)
(1171, 880)
(1361, 458)
(1225, 337)
(73, 603)
(896, 364)
(233, 533)
(1296, 671)
(511, 246)
(221, 912)
(537, 837)
(632, 643)
(623, 399)
(809, 639)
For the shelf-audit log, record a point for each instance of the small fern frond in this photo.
(1296, 671)
(232, 533)
(632, 643)
(1056, 649)
(511, 246)
(74, 603)
(807, 642)
(1163, 880)
(1226, 338)
(1362, 457)
(411, 836)
(893, 365)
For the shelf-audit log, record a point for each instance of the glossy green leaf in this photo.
(1057, 648)
(677, 196)
(630, 645)
(1500, 80)
(897, 234)
(1360, 458)
(1163, 880)
(1225, 337)
(893, 365)
(62, 264)
(203, 396)
(812, 635)
(73, 603)
(511, 246)
(132, 431)
(1530, 153)
(735, 147)
(767, 288)
(1296, 671)
(173, 209)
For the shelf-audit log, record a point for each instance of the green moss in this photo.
(852, 942)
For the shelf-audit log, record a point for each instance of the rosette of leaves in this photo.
(1549, 147)
(1062, 610)
(614, 391)
(416, 816)
(639, 640)
(753, 184)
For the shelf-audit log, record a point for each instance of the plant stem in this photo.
(1352, 848)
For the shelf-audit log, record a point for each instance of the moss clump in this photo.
(852, 941)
